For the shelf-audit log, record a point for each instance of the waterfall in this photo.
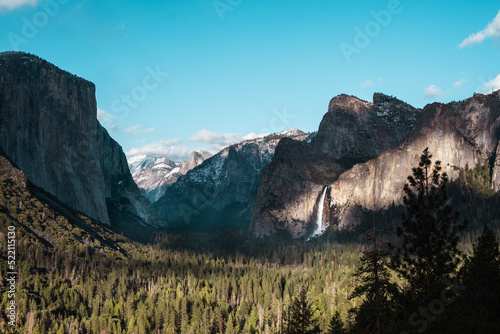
(320, 227)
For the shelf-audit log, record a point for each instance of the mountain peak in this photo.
(349, 104)
(20, 60)
(292, 132)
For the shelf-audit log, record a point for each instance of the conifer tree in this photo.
(428, 254)
(374, 284)
(479, 303)
(301, 317)
(336, 326)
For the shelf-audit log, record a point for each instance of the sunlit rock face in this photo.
(457, 134)
(49, 128)
(352, 131)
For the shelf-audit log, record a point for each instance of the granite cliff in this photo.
(458, 134)
(49, 128)
(352, 131)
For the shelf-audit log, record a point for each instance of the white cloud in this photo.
(432, 91)
(219, 140)
(367, 83)
(491, 30)
(131, 131)
(103, 116)
(371, 82)
(144, 131)
(491, 85)
(12, 4)
(458, 84)
(136, 130)
(132, 128)
(171, 148)
(113, 127)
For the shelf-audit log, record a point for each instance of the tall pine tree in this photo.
(374, 284)
(478, 308)
(301, 318)
(336, 325)
(428, 253)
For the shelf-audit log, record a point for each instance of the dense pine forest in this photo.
(76, 276)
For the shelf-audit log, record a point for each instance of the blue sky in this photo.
(173, 76)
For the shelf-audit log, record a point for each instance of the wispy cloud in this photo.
(367, 83)
(174, 149)
(458, 84)
(491, 85)
(134, 130)
(432, 91)
(12, 4)
(371, 82)
(492, 30)
(218, 140)
(103, 116)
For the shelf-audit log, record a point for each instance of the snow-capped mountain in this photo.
(154, 174)
(221, 191)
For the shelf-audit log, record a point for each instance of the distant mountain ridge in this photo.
(220, 191)
(154, 174)
(358, 160)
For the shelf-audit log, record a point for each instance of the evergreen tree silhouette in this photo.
(301, 318)
(428, 254)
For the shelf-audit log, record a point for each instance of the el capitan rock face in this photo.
(49, 128)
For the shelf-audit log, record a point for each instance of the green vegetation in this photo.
(428, 254)
(476, 180)
(76, 276)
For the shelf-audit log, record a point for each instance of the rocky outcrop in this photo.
(221, 191)
(49, 128)
(355, 131)
(457, 134)
(195, 159)
(351, 131)
(495, 175)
